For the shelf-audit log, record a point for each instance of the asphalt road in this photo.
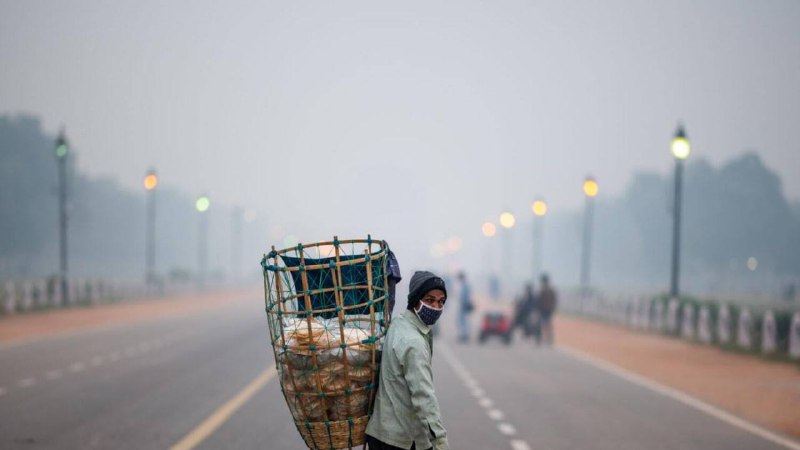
(150, 384)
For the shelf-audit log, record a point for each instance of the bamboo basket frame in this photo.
(282, 292)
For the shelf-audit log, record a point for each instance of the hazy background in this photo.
(415, 122)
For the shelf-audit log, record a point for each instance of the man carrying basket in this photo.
(406, 414)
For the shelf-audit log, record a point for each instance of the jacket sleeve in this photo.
(419, 378)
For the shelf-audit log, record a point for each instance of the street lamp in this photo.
(201, 205)
(150, 184)
(62, 151)
(680, 150)
(507, 221)
(539, 208)
(590, 190)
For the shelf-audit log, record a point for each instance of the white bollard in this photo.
(27, 296)
(724, 325)
(41, 294)
(644, 314)
(672, 315)
(658, 316)
(704, 325)
(9, 298)
(687, 321)
(769, 332)
(794, 337)
(57, 303)
(744, 336)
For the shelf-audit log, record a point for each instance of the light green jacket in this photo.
(406, 410)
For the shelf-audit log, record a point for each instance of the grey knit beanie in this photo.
(421, 282)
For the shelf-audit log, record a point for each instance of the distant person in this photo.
(406, 413)
(526, 314)
(548, 301)
(494, 287)
(465, 308)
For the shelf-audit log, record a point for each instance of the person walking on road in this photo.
(526, 314)
(548, 300)
(406, 413)
(465, 308)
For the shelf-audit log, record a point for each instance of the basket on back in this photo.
(326, 305)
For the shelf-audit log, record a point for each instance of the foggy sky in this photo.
(415, 121)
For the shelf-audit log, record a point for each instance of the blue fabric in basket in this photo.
(352, 275)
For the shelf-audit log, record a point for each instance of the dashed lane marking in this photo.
(54, 374)
(495, 414)
(3, 390)
(472, 384)
(517, 444)
(506, 428)
(224, 412)
(26, 382)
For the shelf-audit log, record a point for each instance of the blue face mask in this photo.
(427, 314)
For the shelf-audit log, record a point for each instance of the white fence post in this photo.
(658, 316)
(744, 336)
(768, 333)
(724, 325)
(687, 321)
(27, 296)
(704, 325)
(9, 298)
(672, 315)
(794, 337)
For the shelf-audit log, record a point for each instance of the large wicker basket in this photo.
(327, 309)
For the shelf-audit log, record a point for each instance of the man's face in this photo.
(434, 298)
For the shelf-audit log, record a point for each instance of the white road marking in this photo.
(97, 360)
(2, 390)
(26, 382)
(114, 356)
(130, 350)
(472, 384)
(77, 367)
(495, 414)
(681, 397)
(144, 347)
(517, 444)
(54, 374)
(506, 428)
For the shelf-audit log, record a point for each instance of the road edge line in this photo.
(679, 396)
(221, 415)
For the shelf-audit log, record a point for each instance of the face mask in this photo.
(427, 314)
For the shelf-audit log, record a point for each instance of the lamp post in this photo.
(680, 150)
(507, 221)
(237, 214)
(62, 151)
(202, 204)
(150, 184)
(539, 208)
(590, 189)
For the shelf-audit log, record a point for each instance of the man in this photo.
(406, 413)
(547, 307)
(527, 313)
(465, 308)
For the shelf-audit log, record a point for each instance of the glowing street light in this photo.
(488, 229)
(201, 205)
(62, 151)
(150, 183)
(507, 220)
(590, 190)
(539, 208)
(680, 150)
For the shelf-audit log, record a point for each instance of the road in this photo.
(150, 384)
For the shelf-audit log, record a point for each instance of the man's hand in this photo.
(441, 444)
